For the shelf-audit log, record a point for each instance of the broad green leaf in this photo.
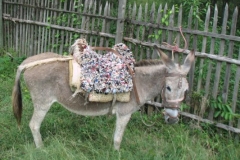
(226, 116)
(216, 114)
(229, 109)
(222, 114)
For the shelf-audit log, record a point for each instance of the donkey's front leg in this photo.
(121, 124)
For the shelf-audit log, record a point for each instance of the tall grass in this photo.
(70, 136)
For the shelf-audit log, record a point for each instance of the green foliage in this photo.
(221, 109)
(164, 22)
(199, 8)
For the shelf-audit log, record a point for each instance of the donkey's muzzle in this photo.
(171, 116)
(171, 120)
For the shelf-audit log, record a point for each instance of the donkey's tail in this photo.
(17, 97)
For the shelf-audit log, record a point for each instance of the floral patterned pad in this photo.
(106, 73)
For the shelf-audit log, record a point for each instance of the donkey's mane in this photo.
(148, 62)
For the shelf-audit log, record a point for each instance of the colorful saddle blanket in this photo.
(106, 73)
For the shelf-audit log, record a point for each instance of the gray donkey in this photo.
(49, 83)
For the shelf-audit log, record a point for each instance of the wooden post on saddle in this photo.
(1, 26)
(120, 21)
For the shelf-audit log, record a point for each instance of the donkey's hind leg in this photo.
(35, 123)
(121, 124)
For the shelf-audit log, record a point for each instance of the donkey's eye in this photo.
(168, 88)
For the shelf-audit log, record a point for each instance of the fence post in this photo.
(120, 21)
(1, 26)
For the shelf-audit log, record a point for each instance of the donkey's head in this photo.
(176, 84)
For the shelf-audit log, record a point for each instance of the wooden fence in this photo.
(32, 27)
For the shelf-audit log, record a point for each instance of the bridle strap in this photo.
(129, 68)
(175, 75)
(173, 104)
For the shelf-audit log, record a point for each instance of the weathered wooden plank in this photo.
(21, 29)
(34, 16)
(236, 89)
(230, 53)
(10, 28)
(144, 31)
(178, 35)
(209, 72)
(93, 22)
(157, 31)
(134, 12)
(1, 25)
(31, 36)
(16, 29)
(87, 21)
(98, 25)
(47, 31)
(170, 33)
(60, 27)
(204, 43)
(130, 30)
(192, 116)
(45, 34)
(192, 70)
(197, 54)
(102, 39)
(129, 13)
(40, 19)
(163, 38)
(139, 18)
(120, 21)
(56, 36)
(50, 29)
(69, 35)
(28, 31)
(63, 33)
(150, 30)
(194, 46)
(62, 11)
(149, 56)
(83, 24)
(53, 18)
(108, 26)
(186, 31)
(5, 27)
(189, 26)
(219, 64)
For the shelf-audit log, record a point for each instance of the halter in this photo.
(172, 104)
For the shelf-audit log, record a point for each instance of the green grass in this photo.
(70, 136)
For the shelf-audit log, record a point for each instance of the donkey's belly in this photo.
(78, 106)
(88, 111)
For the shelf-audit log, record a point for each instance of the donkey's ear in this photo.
(188, 62)
(166, 60)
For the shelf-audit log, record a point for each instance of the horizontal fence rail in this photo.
(33, 27)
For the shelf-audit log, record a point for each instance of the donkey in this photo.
(49, 83)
